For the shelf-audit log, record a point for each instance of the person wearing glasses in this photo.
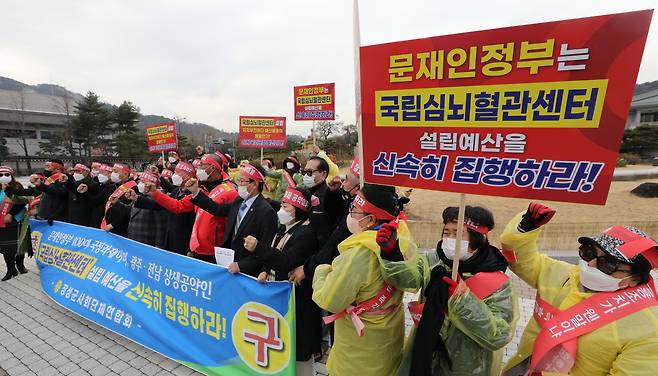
(599, 317)
(323, 218)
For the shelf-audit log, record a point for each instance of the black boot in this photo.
(11, 267)
(20, 265)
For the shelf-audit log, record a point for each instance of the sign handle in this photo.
(313, 133)
(356, 34)
(460, 231)
(261, 156)
(164, 161)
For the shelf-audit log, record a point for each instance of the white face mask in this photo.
(172, 159)
(140, 187)
(115, 177)
(202, 174)
(353, 224)
(290, 165)
(596, 280)
(243, 192)
(285, 218)
(309, 181)
(78, 177)
(5, 179)
(102, 178)
(176, 180)
(93, 173)
(449, 247)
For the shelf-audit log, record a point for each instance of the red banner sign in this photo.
(315, 102)
(262, 132)
(161, 137)
(533, 111)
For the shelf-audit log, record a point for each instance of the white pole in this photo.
(357, 85)
(313, 132)
(460, 231)
(261, 156)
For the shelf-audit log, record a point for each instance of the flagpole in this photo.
(460, 231)
(356, 31)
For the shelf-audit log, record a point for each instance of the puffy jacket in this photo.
(628, 346)
(208, 229)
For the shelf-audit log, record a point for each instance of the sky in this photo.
(211, 61)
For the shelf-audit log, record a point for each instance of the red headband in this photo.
(149, 177)
(105, 168)
(185, 167)
(196, 163)
(56, 165)
(250, 172)
(296, 199)
(166, 173)
(469, 223)
(363, 204)
(122, 167)
(355, 168)
(80, 166)
(6, 169)
(96, 165)
(211, 161)
(222, 157)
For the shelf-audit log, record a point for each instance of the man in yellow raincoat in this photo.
(367, 307)
(596, 318)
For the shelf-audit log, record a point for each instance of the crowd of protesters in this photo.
(347, 248)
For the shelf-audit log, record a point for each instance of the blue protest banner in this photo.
(193, 312)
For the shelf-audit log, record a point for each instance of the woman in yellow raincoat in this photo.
(369, 317)
(627, 346)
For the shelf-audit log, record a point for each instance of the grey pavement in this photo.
(38, 337)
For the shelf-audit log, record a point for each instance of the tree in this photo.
(351, 134)
(131, 145)
(4, 150)
(91, 124)
(64, 140)
(126, 117)
(54, 146)
(19, 104)
(325, 128)
(642, 140)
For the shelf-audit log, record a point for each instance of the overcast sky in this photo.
(211, 61)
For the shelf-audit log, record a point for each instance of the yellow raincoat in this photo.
(628, 346)
(357, 275)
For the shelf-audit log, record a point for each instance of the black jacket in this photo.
(97, 200)
(299, 247)
(260, 221)
(79, 205)
(54, 201)
(323, 219)
(178, 226)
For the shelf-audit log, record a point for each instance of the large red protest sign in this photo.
(533, 111)
(262, 132)
(315, 102)
(161, 137)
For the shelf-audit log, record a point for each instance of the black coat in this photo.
(323, 218)
(299, 247)
(97, 200)
(179, 226)
(79, 205)
(260, 221)
(54, 201)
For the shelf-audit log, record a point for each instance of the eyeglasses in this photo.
(605, 263)
(353, 213)
(308, 172)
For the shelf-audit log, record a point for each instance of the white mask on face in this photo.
(290, 165)
(78, 177)
(285, 218)
(140, 187)
(102, 178)
(172, 159)
(5, 179)
(449, 247)
(176, 180)
(596, 280)
(309, 181)
(353, 224)
(243, 192)
(93, 173)
(115, 177)
(202, 174)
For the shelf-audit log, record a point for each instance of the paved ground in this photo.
(38, 337)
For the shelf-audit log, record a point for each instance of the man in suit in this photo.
(248, 215)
